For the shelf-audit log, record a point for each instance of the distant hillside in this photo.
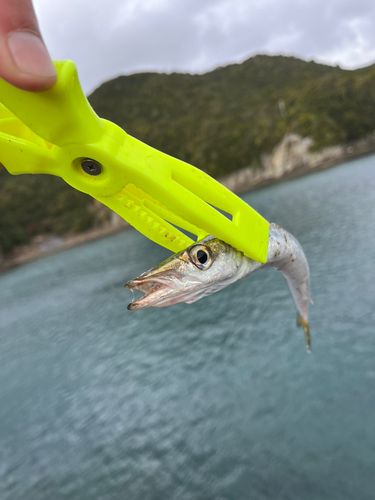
(220, 121)
(224, 120)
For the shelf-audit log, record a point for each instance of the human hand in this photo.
(24, 59)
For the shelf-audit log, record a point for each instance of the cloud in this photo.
(113, 37)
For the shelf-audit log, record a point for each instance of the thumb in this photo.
(24, 59)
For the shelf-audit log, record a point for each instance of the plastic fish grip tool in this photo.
(57, 132)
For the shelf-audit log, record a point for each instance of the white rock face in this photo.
(289, 154)
(293, 154)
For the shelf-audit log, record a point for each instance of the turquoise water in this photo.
(215, 400)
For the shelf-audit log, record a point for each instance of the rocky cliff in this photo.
(292, 157)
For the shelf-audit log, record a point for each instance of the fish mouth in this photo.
(157, 291)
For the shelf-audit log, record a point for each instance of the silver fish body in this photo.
(211, 265)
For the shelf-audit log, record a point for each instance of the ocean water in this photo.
(214, 400)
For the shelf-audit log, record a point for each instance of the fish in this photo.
(210, 265)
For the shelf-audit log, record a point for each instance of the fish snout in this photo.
(156, 289)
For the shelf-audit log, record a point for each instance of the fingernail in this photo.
(30, 54)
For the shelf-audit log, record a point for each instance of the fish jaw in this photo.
(157, 291)
(163, 285)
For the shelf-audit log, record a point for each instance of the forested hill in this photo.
(225, 119)
(220, 121)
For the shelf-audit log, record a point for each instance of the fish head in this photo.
(200, 270)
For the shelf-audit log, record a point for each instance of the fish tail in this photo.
(305, 325)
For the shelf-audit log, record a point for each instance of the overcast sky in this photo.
(113, 37)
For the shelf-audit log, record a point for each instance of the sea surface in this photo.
(216, 400)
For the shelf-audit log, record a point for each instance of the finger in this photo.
(24, 59)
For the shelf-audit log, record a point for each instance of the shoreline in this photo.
(290, 159)
(46, 245)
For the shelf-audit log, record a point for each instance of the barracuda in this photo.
(211, 265)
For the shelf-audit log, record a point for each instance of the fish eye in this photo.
(200, 257)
